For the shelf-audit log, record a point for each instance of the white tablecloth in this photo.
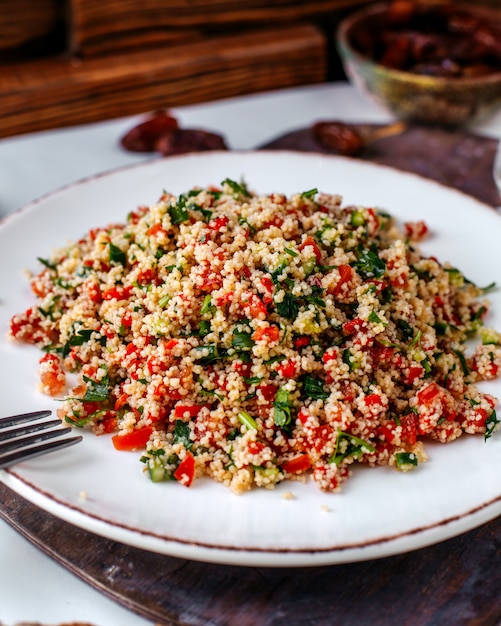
(32, 586)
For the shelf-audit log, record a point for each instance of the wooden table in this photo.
(456, 582)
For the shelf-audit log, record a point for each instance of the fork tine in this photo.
(44, 448)
(6, 434)
(23, 442)
(5, 422)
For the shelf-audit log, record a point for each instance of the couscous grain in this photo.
(256, 339)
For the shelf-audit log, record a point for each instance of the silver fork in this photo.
(30, 435)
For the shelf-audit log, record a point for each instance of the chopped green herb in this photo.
(462, 362)
(349, 446)
(253, 380)
(178, 212)
(207, 305)
(310, 194)
(97, 391)
(60, 282)
(406, 328)
(288, 307)
(369, 264)
(247, 420)
(278, 271)
(488, 289)
(48, 264)
(292, 253)
(239, 189)
(314, 388)
(213, 354)
(80, 422)
(233, 435)
(350, 360)
(81, 337)
(204, 328)
(490, 425)
(206, 214)
(182, 434)
(241, 340)
(117, 255)
(424, 274)
(441, 328)
(375, 319)
(314, 298)
(403, 459)
(243, 221)
(282, 409)
(275, 359)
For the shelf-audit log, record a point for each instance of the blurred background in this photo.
(65, 62)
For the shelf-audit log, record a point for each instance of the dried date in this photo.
(144, 136)
(437, 39)
(161, 133)
(183, 140)
(339, 138)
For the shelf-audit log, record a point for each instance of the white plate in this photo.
(380, 511)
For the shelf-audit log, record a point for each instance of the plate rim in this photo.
(255, 556)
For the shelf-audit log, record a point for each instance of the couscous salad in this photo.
(256, 339)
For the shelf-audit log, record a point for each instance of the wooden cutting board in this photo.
(456, 582)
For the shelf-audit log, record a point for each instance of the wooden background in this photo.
(65, 62)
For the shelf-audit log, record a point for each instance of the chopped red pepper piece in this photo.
(185, 472)
(269, 392)
(134, 440)
(428, 394)
(271, 333)
(345, 276)
(287, 369)
(302, 341)
(297, 465)
(309, 241)
(191, 409)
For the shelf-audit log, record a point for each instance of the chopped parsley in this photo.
(182, 434)
(314, 388)
(207, 305)
(117, 255)
(178, 212)
(369, 264)
(349, 446)
(403, 459)
(48, 264)
(310, 194)
(97, 391)
(288, 307)
(241, 340)
(238, 189)
(282, 409)
(490, 425)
